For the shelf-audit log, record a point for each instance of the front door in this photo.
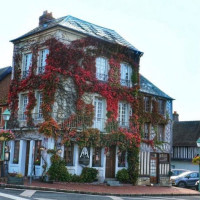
(110, 162)
(154, 168)
(27, 157)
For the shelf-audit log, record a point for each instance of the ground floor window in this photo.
(38, 144)
(16, 152)
(1, 149)
(121, 158)
(96, 157)
(69, 155)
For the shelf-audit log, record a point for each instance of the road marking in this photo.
(44, 199)
(115, 198)
(28, 193)
(11, 196)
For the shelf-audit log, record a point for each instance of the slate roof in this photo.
(149, 88)
(186, 133)
(83, 27)
(4, 72)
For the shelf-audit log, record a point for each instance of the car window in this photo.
(193, 175)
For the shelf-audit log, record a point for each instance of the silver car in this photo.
(186, 179)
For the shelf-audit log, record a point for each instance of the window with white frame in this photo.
(16, 152)
(27, 62)
(24, 103)
(126, 73)
(147, 104)
(39, 103)
(42, 60)
(102, 69)
(124, 113)
(99, 106)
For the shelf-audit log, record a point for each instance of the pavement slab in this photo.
(87, 188)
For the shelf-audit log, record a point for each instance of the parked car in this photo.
(186, 179)
(197, 185)
(176, 172)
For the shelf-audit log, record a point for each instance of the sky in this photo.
(167, 31)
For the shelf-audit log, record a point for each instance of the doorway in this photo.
(110, 162)
(27, 157)
(154, 168)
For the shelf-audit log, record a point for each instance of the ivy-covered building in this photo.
(76, 88)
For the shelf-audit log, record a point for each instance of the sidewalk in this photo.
(124, 190)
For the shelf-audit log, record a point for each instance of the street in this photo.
(21, 194)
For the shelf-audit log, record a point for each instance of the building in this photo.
(75, 88)
(185, 135)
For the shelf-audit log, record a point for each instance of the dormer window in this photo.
(27, 62)
(42, 60)
(126, 73)
(102, 69)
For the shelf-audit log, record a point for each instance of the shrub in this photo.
(123, 176)
(89, 174)
(57, 170)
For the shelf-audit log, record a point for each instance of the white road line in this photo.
(28, 193)
(115, 198)
(11, 196)
(44, 199)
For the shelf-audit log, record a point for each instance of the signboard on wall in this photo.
(84, 157)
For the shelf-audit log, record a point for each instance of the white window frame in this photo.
(38, 114)
(126, 73)
(102, 69)
(42, 60)
(99, 111)
(24, 103)
(124, 113)
(26, 64)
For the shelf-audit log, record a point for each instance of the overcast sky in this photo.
(167, 31)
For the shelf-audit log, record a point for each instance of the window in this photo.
(147, 104)
(42, 60)
(102, 69)
(69, 155)
(1, 149)
(126, 73)
(160, 133)
(121, 158)
(37, 155)
(24, 105)
(39, 103)
(27, 62)
(96, 157)
(146, 131)
(163, 158)
(123, 116)
(161, 106)
(16, 152)
(99, 107)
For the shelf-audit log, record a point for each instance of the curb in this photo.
(3, 185)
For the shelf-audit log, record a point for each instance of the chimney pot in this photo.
(176, 116)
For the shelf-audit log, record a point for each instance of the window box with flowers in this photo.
(6, 135)
(15, 179)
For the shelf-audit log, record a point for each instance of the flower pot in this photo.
(15, 180)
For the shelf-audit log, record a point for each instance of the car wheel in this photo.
(181, 184)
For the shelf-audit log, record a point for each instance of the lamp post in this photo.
(6, 117)
(198, 145)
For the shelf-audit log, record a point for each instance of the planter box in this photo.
(15, 180)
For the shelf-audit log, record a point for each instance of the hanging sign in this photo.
(84, 158)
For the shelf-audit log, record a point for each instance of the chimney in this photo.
(176, 116)
(45, 18)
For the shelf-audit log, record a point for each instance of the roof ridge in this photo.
(70, 16)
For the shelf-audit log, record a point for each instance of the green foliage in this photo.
(133, 164)
(123, 176)
(89, 174)
(57, 170)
